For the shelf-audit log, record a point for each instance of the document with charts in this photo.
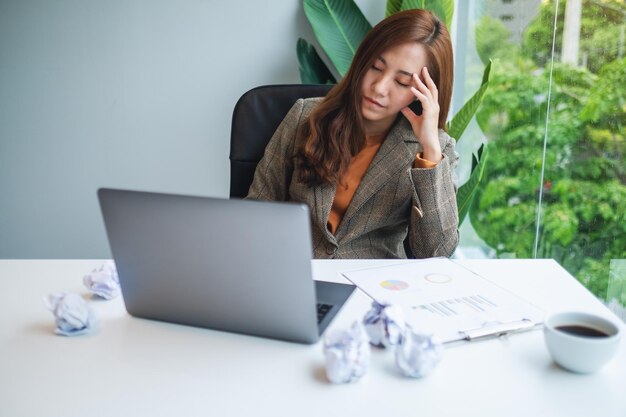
(441, 297)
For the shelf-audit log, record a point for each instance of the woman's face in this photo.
(386, 85)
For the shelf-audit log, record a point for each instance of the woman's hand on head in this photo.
(425, 126)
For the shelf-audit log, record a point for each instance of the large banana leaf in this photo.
(339, 26)
(443, 9)
(466, 192)
(459, 122)
(393, 6)
(312, 69)
(448, 9)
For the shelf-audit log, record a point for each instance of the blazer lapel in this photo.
(397, 152)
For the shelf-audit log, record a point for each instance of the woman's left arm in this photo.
(434, 222)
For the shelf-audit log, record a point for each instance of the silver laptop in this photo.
(235, 265)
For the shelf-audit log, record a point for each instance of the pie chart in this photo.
(394, 285)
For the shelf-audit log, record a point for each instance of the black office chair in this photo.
(256, 117)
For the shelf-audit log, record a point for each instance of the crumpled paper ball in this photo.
(73, 316)
(418, 354)
(347, 354)
(104, 281)
(384, 324)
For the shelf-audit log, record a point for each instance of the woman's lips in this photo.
(374, 102)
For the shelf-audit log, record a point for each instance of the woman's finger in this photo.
(423, 88)
(420, 96)
(428, 102)
(432, 87)
(410, 115)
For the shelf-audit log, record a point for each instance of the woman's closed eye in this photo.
(401, 84)
(375, 68)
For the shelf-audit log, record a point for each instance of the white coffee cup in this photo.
(581, 342)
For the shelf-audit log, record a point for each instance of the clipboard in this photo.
(441, 297)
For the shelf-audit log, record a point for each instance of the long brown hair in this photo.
(334, 132)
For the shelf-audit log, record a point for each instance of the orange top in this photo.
(352, 178)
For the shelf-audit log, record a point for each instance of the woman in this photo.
(370, 169)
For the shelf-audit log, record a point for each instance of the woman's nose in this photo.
(380, 85)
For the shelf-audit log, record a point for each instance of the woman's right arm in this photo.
(274, 171)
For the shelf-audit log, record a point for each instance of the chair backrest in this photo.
(256, 117)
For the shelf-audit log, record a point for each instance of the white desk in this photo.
(134, 367)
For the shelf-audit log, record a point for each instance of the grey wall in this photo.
(134, 94)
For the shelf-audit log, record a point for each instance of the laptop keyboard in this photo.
(322, 310)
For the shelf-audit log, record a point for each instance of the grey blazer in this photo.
(392, 200)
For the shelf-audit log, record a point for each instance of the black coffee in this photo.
(584, 331)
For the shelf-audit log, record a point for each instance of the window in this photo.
(555, 180)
